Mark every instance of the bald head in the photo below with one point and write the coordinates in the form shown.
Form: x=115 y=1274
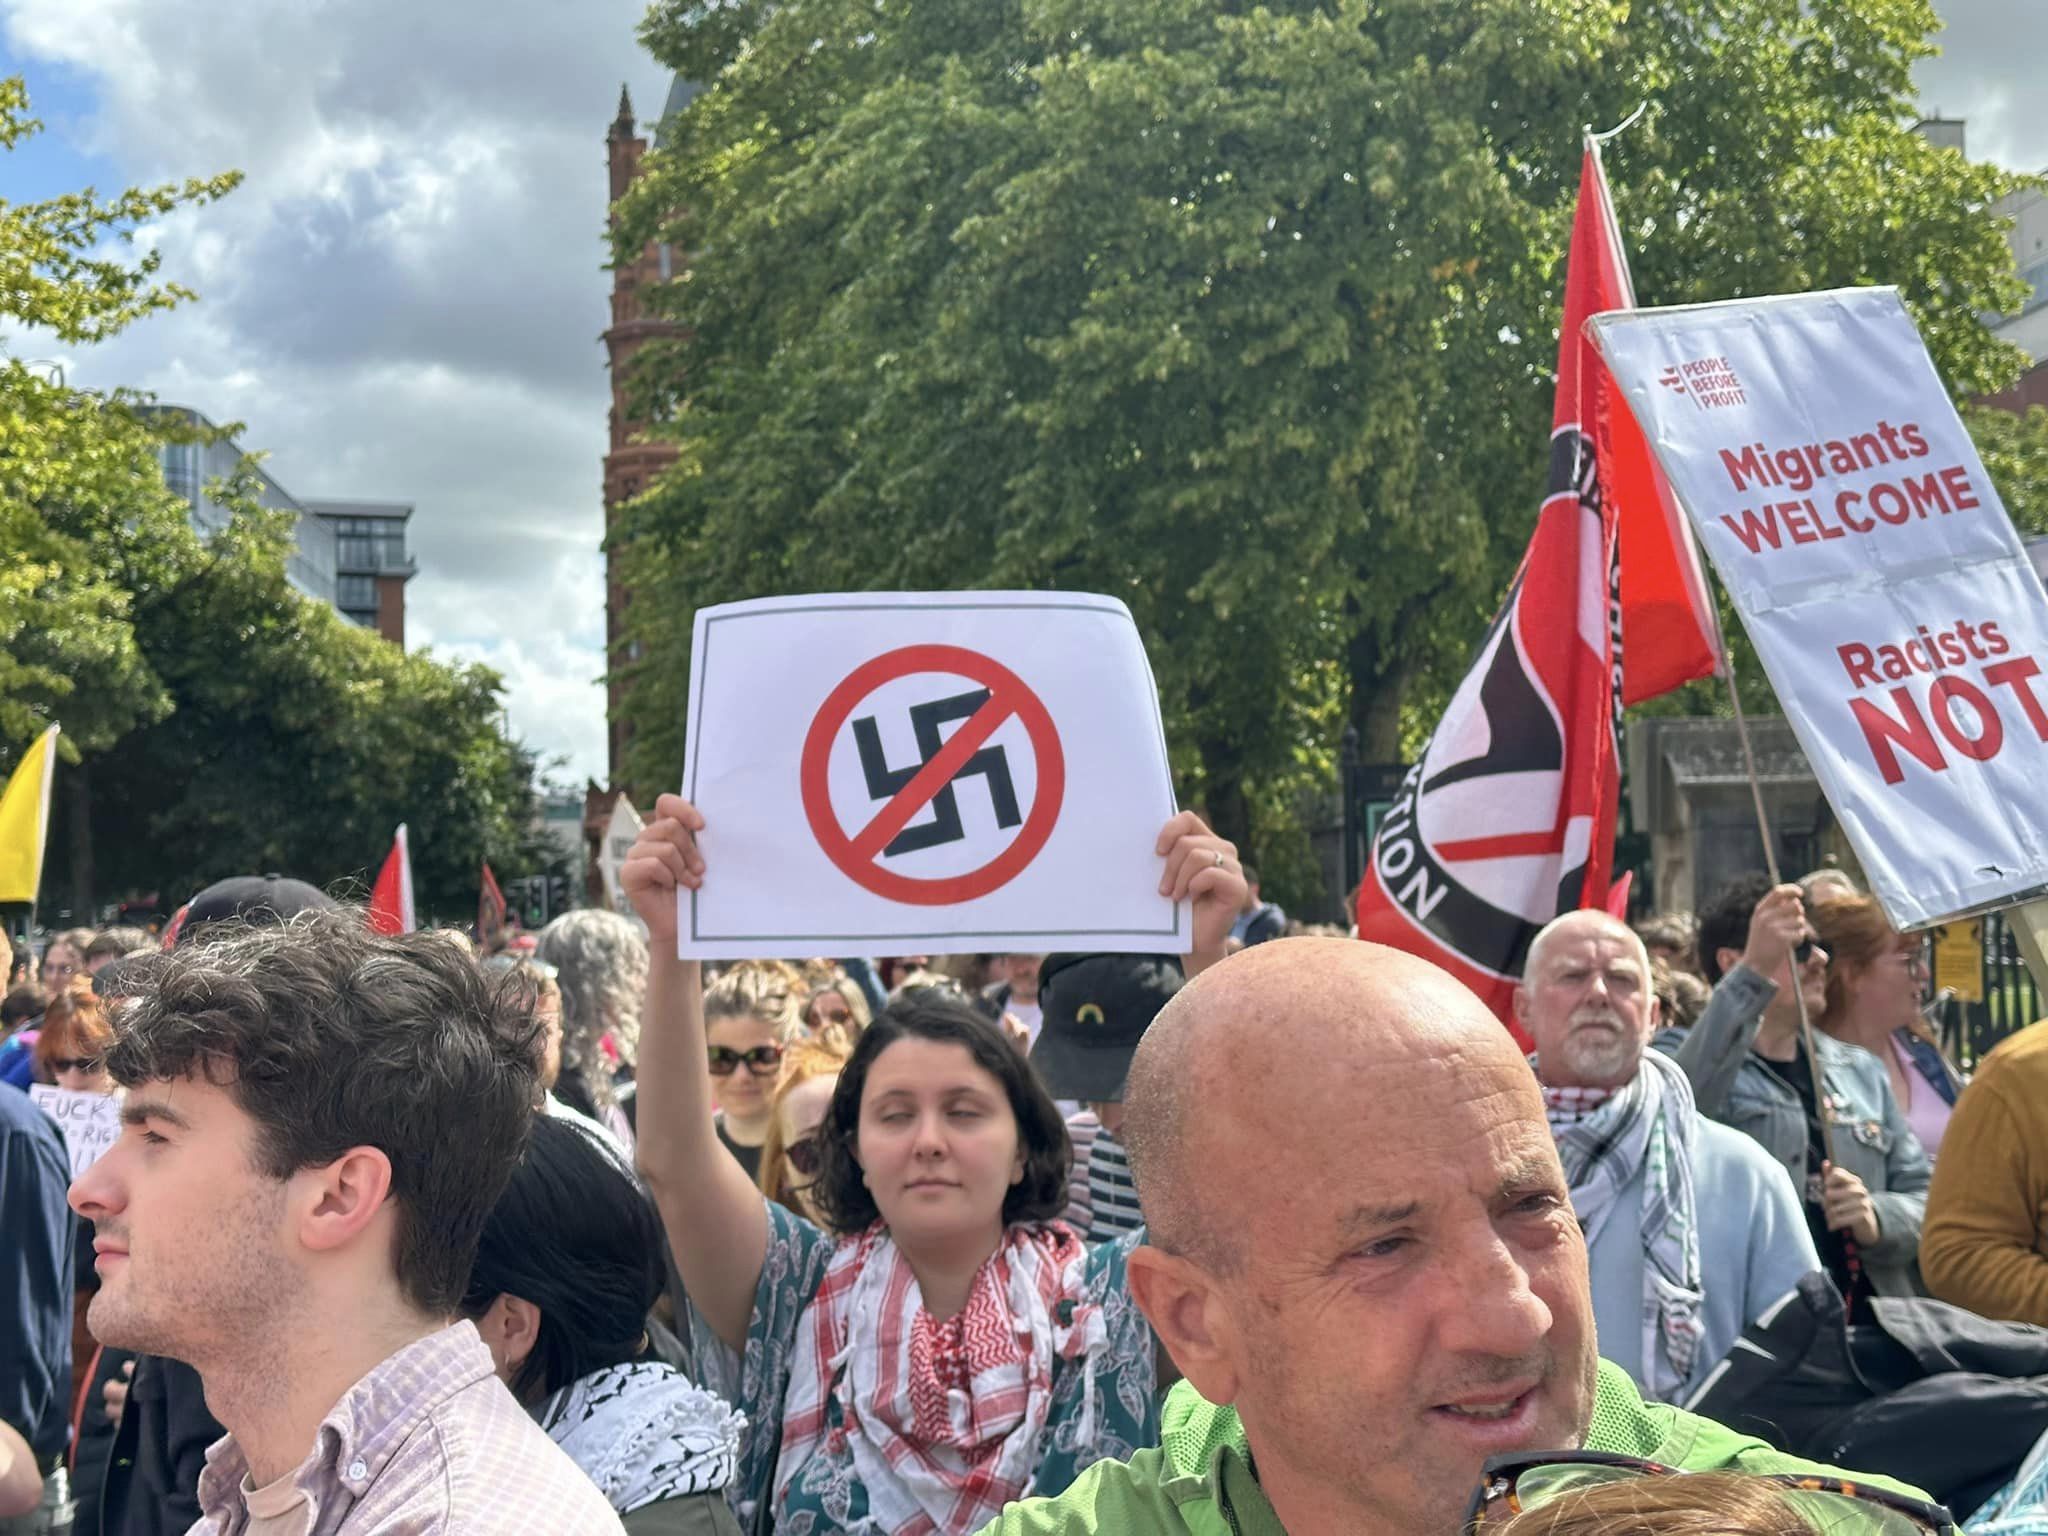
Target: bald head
x=1589 y=921
x=1302 y=1024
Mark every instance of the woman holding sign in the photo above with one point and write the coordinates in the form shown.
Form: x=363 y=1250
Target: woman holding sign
x=948 y=1346
x=74 y=1039
x=70 y=1054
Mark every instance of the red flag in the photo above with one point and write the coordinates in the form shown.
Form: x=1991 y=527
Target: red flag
x=490 y=910
x=1617 y=898
x=1670 y=632
x=391 y=909
x=1508 y=819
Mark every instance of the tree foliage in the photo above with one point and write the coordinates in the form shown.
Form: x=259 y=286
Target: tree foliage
x=2014 y=448
x=297 y=741
x=224 y=722
x=1245 y=315
x=73 y=503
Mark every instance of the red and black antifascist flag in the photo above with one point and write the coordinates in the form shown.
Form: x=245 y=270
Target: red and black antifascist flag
x=1508 y=819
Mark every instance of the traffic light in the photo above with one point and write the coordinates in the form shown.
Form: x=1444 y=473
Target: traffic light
x=533 y=902
x=558 y=895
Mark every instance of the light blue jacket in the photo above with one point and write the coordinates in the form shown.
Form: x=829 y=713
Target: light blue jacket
x=1734 y=1085
x=1754 y=1246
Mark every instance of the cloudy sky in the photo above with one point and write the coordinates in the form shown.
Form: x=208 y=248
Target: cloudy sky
x=404 y=300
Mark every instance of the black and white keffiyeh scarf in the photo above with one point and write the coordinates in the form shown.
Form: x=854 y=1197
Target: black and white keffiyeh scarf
x=643 y=1433
x=1648 y=1124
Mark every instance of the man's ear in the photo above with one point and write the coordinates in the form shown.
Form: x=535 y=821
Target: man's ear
x=1186 y=1308
x=344 y=1197
x=1522 y=1004
x=1727 y=957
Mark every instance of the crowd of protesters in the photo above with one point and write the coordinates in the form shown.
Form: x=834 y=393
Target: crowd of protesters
x=1282 y=1234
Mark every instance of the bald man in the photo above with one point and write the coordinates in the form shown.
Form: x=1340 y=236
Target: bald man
x=1693 y=1230
x=1363 y=1259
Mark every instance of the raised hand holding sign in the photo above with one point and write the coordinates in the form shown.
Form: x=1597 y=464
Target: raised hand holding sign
x=1202 y=870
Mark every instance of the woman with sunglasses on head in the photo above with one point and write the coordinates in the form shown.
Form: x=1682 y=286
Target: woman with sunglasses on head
x=944 y=1345
x=803 y=1095
x=1589 y=1493
x=750 y=1017
x=1875 y=979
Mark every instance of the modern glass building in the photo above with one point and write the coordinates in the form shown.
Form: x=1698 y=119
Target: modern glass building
x=371 y=565
x=348 y=553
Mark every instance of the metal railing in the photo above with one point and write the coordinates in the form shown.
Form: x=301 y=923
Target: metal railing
x=1990 y=994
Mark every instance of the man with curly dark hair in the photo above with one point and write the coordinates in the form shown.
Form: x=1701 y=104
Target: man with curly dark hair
x=318 y=1120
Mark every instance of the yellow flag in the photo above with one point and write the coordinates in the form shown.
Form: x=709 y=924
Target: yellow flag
x=24 y=818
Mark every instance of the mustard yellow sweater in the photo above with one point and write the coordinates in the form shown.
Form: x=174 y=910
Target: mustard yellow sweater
x=1985 y=1244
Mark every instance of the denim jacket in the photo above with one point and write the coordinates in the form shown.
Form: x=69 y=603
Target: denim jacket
x=1871 y=1138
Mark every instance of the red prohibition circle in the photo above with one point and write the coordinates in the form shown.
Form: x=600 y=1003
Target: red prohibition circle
x=1007 y=690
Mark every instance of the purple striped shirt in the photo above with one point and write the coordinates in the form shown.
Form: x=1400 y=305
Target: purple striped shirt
x=428 y=1444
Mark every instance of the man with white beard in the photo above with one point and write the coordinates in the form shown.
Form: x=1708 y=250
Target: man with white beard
x=1693 y=1230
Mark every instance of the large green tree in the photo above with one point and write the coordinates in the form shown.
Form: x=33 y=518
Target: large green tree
x=297 y=741
x=1243 y=314
x=216 y=721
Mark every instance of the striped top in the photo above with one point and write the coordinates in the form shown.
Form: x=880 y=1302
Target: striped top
x=1112 y=1197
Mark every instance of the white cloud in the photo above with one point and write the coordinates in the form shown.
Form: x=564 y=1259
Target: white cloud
x=404 y=299
x=1989 y=72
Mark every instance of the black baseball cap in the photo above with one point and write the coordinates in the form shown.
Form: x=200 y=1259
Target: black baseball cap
x=260 y=899
x=1095 y=1010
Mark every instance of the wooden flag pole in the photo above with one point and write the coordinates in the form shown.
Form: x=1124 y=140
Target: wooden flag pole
x=1763 y=826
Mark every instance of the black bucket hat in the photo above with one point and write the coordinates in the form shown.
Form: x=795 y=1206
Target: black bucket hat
x=1096 y=1008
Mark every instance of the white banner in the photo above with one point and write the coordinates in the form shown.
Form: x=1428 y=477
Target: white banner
x=1840 y=498
x=620 y=833
x=924 y=773
x=91 y=1122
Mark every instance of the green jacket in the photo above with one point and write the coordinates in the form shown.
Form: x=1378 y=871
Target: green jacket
x=1199 y=1479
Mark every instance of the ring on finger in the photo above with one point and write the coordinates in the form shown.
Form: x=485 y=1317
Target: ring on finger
x=1218 y=860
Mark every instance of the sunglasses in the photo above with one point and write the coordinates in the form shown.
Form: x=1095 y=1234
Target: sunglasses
x=74 y=1064
x=762 y=1060
x=1516 y=1483
x=805 y=1155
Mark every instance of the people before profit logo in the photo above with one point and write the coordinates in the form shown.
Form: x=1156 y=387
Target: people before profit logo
x=1709 y=382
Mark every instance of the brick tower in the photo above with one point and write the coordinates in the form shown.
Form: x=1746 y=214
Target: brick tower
x=630 y=463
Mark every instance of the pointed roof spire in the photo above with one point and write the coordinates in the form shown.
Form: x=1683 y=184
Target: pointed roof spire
x=625 y=105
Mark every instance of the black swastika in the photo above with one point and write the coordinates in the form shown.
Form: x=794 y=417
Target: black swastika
x=884 y=782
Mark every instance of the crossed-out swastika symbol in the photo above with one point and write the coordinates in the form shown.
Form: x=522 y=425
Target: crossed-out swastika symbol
x=858 y=848
x=885 y=783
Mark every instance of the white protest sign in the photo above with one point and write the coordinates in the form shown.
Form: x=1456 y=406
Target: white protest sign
x=911 y=773
x=91 y=1122
x=619 y=836
x=1833 y=486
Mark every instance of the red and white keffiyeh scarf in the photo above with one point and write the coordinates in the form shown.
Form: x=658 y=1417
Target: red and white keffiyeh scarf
x=944 y=1420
